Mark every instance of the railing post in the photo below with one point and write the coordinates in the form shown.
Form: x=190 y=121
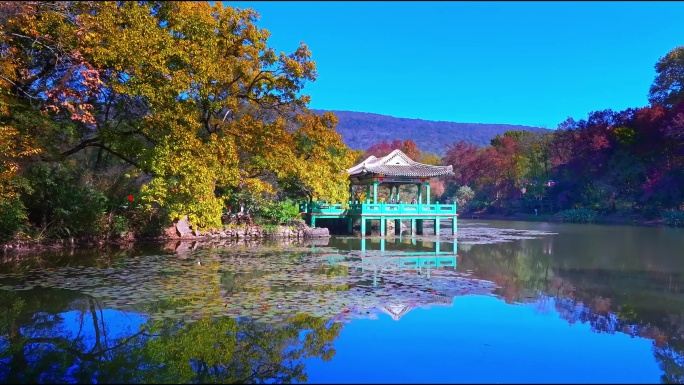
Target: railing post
x=420 y=193
x=427 y=193
x=375 y=192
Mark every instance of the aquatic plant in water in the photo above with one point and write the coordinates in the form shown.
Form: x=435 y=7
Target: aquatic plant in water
x=268 y=287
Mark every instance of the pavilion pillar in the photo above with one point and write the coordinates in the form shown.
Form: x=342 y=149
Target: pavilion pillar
x=413 y=226
x=427 y=193
x=375 y=192
x=367 y=193
x=420 y=193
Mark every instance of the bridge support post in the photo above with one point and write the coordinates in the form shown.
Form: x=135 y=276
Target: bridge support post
x=363 y=226
x=437 y=225
x=419 y=226
x=453 y=225
x=383 y=221
x=397 y=227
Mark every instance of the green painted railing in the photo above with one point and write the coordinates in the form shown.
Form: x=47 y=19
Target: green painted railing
x=401 y=209
x=377 y=209
x=322 y=208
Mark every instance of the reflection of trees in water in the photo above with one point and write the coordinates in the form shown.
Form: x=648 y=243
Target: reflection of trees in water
x=638 y=301
x=521 y=269
x=37 y=346
x=668 y=346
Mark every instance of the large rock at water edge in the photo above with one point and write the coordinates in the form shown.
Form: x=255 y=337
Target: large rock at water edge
x=183 y=227
x=316 y=232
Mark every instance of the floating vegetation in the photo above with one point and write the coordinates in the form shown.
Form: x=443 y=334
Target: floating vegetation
x=487 y=235
x=271 y=283
x=265 y=286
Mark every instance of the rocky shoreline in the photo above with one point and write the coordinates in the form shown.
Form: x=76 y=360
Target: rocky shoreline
x=180 y=231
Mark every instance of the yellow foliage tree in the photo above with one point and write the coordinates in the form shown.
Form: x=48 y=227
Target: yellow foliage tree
x=187 y=92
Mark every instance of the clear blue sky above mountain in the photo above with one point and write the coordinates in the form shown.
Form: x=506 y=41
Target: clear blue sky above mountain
x=528 y=63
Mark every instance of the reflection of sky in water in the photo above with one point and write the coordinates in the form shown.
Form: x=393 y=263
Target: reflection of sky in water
x=483 y=339
x=477 y=339
x=118 y=324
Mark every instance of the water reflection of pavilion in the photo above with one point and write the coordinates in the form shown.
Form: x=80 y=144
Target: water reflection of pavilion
x=399 y=253
x=396 y=311
x=389 y=260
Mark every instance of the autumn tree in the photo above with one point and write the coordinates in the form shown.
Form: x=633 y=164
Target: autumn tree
x=383 y=148
x=188 y=96
x=668 y=86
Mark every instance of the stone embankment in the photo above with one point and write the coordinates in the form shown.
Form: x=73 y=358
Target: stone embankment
x=179 y=231
x=182 y=230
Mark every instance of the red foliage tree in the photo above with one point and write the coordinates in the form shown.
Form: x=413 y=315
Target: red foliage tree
x=383 y=148
x=462 y=156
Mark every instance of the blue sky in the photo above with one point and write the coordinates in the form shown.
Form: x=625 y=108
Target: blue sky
x=529 y=63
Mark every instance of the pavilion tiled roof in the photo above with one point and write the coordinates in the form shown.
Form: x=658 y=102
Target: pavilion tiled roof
x=396 y=311
x=398 y=164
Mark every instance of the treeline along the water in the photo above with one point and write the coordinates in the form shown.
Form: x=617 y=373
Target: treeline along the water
x=624 y=162
x=117 y=118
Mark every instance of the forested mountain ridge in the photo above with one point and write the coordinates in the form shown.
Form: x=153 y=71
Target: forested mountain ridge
x=361 y=130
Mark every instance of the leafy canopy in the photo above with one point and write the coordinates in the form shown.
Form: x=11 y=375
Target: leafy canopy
x=187 y=94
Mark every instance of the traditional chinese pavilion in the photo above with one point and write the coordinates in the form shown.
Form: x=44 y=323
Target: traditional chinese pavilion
x=391 y=171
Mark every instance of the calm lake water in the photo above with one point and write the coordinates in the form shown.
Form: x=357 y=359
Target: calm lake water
x=504 y=302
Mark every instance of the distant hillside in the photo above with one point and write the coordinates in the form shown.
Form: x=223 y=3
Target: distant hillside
x=360 y=130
